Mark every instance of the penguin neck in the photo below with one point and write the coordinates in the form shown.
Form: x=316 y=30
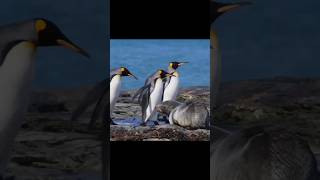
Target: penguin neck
x=173 y=71
x=215 y=67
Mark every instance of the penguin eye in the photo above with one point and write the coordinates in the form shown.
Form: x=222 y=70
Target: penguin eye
x=40 y=25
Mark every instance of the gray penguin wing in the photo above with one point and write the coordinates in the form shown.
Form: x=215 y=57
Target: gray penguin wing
x=91 y=97
x=148 y=86
x=144 y=102
x=143 y=95
x=150 y=79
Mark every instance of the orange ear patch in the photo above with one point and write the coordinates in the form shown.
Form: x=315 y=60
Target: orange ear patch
x=40 y=25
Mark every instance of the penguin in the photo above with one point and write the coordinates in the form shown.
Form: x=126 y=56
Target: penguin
x=172 y=83
x=191 y=114
x=99 y=95
x=18 y=46
x=151 y=94
x=103 y=94
x=261 y=152
x=216 y=10
x=115 y=84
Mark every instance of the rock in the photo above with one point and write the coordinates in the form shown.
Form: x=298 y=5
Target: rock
x=161 y=132
x=46 y=148
x=293 y=103
x=126 y=108
x=56 y=152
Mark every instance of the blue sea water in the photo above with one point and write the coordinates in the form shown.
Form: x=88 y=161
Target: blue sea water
x=144 y=57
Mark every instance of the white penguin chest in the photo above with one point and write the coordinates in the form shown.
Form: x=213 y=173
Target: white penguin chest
x=154 y=99
x=16 y=74
x=115 y=86
x=171 y=90
x=156 y=94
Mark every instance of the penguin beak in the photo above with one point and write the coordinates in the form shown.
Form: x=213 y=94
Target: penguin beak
x=133 y=76
x=170 y=75
x=182 y=63
x=68 y=44
x=229 y=7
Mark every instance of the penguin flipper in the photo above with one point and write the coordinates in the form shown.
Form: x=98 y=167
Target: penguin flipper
x=148 y=83
x=138 y=93
x=92 y=96
x=144 y=103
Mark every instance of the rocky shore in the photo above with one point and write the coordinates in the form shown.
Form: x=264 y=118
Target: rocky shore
x=46 y=148
x=289 y=103
x=128 y=109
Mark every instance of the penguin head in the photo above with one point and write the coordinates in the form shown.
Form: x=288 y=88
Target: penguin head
x=174 y=65
x=50 y=35
x=217 y=9
x=125 y=72
x=163 y=74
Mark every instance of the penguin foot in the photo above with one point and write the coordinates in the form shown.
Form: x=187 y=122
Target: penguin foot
x=165 y=119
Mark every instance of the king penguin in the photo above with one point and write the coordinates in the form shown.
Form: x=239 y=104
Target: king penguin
x=18 y=45
x=191 y=114
x=151 y=94
x=216 y=10
x=99 y=95
x=172 y=83
x=115 y=84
